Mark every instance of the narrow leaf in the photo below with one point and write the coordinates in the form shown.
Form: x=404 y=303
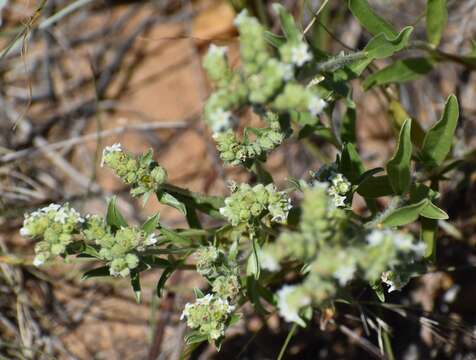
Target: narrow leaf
x=375 y=186
x=170 y=200
x=369 y=19
x=151 y=224
x=113 y=217
x=428 y=231
x=398 y=72
x=431 y=211
x=274 y=40
x=290 y=30
x=174 y=237
x=439 y=138
x=350 y=164
x=436 y=19
x=398 y=168
x=97 y=272
x=404 y=215
x=379 y=47
x=135 y=283
x=163 y=279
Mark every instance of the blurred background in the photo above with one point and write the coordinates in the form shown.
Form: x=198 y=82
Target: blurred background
x=76 y=76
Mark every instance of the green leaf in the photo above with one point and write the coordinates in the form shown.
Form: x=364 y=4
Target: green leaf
x=350 y=163
x=195 y=337
x=174 y=237
x=151 y=224
x=253 y=294
x=97 y=272
x=290 y=30
x=404 y=215
x=439 y=138
x=253 y=266
x=398 y=168
x=163 y=279
x=273 y=39
x=431 y=211
x=348 y=126
x=234 y=318
x=378 y=290
x=375 y=186
x=209 y=205
x=436 y=19
x=170 y=200
x=369 y=19
x=156 y=262
x=428 y=232
x=113 y=217
x=398 y=72
x=380 y=47
x=135 y=283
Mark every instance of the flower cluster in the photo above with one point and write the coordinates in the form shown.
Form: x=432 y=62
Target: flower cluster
x=264 y=80
x=220 y=270
x=339 y=187
x=142 y=172
x=247 y=203
x=336 y=252
x=234 y=152
x=209 y=315
x=56 y=226
x=119 y=249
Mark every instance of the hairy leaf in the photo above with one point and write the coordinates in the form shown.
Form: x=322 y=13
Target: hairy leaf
x=404 y=215
x=398 y=168
x=398 y=72
x=436 y=19
x=113 y=216
x=369 y=19
x=439 y=138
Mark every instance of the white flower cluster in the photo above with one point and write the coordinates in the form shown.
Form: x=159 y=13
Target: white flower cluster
x=291 y=300
x=220 y=120
x=300 y=54
x=402 y=241
x=338 y=185
x=55 y=224
x=110 y=149
x=208 y=315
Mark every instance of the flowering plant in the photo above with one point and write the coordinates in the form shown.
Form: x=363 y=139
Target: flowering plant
x=308 y=229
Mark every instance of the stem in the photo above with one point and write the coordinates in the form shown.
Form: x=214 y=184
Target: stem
x=286 y=342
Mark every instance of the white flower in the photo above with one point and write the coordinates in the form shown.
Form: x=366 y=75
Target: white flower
x=419 y=249
x=300 y=54
x=393 y=280
x=451 y=294
x=220 y=120
x=344 y=274
x=151 y=239
x=316 y=105
x=186 y=311
x=214 y=50
x=38 y=260
x=50 y=207
x=24 y=231
x=403 y=242
x=61 y=216
x=205 y=300
x=109 y=149
x=289 y=306
x=376 y=237
x=288 y=71
x=240 y=17
x=268 y=262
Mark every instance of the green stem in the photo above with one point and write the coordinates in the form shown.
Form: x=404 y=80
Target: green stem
x=286 y=342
